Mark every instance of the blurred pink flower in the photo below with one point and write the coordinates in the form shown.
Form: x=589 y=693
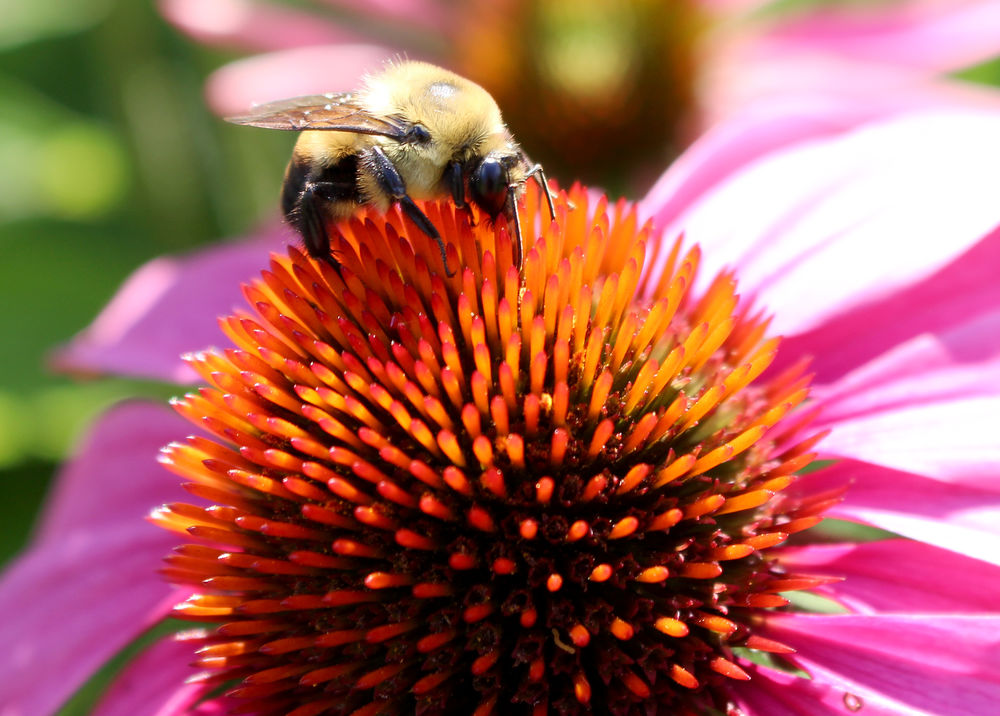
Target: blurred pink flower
x=870 y=52
x=574 y=78
x=874 y=241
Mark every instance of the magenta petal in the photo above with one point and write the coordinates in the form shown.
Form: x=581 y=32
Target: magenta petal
x=929 y=406
x=939 y=664
x=929 y=35
x=884 y=56
x=169 y=307
x=153 y=683
x=958 y=518
x=432 y=15
x=958 y=362
x=754 y=71
x=291 y=73
x=952 y=439
x=729 y=147
x=257 y=26
x=725 y=8
x=900 y=576
x=943 y=304
x=816 y=230
x=88 y=584
x=775 y=693
x=114 y=474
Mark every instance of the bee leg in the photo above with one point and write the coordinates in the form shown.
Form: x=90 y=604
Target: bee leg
x=456 y=183
x=515 y=219
x=309 y=218
x=392 y=184
x=538 y=174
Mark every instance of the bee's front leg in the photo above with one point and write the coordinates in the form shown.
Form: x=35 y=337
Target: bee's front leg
x=456 y=183
x=454 y=177
x=538 y=174
x=391 y=183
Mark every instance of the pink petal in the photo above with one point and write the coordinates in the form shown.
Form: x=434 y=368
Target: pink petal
x=820 y=228
x=958 y=518
x=257 y=26
x=114 y=473
x=954 y=363
x=167 y=308
x=775 y=693
x=940 y=664
x=928 y=407
x=291 y=73
x=728 y=148
x=88 y=585
x=742 y=74
x=931 y=35
x=900 y=576
x=952 y=439
x=153 y=683
x=431 y=15
x=725 y=8
x=947 y=303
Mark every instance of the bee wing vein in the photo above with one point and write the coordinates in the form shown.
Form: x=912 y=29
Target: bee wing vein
x=333 y=112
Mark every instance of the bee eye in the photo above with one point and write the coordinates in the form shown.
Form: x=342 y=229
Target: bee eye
x=417 y=135
x=488 y=186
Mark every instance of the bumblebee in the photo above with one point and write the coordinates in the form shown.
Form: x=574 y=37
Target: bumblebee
x=413 y=131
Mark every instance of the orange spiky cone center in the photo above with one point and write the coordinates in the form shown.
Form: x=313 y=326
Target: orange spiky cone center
x=545 y=490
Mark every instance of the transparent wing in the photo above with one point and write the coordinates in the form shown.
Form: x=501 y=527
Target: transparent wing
x=336 y=112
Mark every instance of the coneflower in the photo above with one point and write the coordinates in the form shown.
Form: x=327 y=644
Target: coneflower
x=546 y=490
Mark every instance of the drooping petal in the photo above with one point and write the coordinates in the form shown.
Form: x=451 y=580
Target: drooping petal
x=153 y=683
x=776 y=693
x=948 y=304
x=952 y=439
x=953 y=363
x=88 y=585
x=920 y=409
x=430 y=14
x=249 y=25
x=263 y=25
x=819 y=229
x=742 y=72
x=113 y=477
x=958 y=518
x=730 y=147
x=928 y=664
x=900 y=576
x=726 y=8
x=166 y=308
x=930 y=35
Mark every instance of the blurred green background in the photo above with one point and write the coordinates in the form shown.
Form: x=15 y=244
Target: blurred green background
x=108 y=157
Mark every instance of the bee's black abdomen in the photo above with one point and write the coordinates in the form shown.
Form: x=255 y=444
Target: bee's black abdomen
x=296 y=176
x=340 y=182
